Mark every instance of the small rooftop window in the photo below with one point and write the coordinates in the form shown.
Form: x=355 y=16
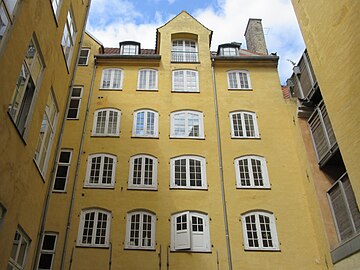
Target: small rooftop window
x=229 y=49
x=129 y=48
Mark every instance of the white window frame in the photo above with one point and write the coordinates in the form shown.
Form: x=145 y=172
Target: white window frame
x=100 y=184
x=96 y=212
x=111 y=79
x=185 y=239
x=229 y=51
x=186 y=120
x=106 y=128
x=49 y=123
x=243 y=125
x=128 y=242
x=186 y=85
x=259 y=232
x=142 y=185
x=68 y=39
x=129 y=49
x=250 y=171
x=242 y=77
x=8 y=15
x=79 y=98
x=188 y=185
x=146 y=72
x=23 y=238
x=146 y=131
x=186 y=54
x=48 y=251
x=56 y=4
x=83 y=57
x=63 y=164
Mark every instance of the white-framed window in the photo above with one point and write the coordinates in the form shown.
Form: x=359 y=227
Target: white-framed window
x=19 y=251
x=47 y=251
x=185 y=80
x=56 y=7
x=131 y=48
x=106 y=122
x=184 y=51
x=190 y=231
x=100 y=171
x=112 y=78
x=69 y=37
x=84 y=57
x=251 y=172
x=344 y=208
x=146 y=124
x=7 y=15
x=75 y=101
x=239 y=79
x=47 y=132
x=140 y=230
x=147 y=79
x=143 y=172
x=229 y=51
x=259 y=231
x=27 y=85
x=187 y=124
x=62 y=170
x=188 y=172
x=94 y=228
x=244 y=125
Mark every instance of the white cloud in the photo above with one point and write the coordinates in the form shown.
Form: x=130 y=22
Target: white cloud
x=228 y=20
x=171 y=1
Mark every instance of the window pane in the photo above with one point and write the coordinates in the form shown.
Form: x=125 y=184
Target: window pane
x=148 y=171
x=45 y=261
x=137 y=171
x=251 y=231
x=4 y=21
x=49 y=242
x=146 y=231
x=135 y=230
x=179 y=124
x=244 y=172
x=257 y=174
x=140 y=123
x=237 y=125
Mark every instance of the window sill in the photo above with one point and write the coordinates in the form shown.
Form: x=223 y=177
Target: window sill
x=188 y=138
x=98 y=187
x=110 y=89
x=240 y=89
x=147 y=90
x=191 y=251
x=245 y=138
x=263 y=250
x=139 y=249
x=254 y=188
x=92 y=246
x=188 y=188
x=143 y=188
x=71 y=119
x=185 y=62
x=144 y=137
x=83 y=65
x=104 y=136
x=346 y=249
x=59 y=191
x=184 y=91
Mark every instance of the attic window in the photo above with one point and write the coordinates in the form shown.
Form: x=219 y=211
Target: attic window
x=129 y=48
x=231 y=49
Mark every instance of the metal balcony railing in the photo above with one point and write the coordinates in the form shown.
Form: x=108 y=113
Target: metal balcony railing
x=183 y=56
x=322 y=134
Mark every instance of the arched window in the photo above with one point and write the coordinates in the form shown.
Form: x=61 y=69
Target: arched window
x=251 y=172
x=244 y=125
x=187 y=124
x=140 y=230
x=145 y=123
x=106 y=122
x=100 y=171
x=143 y=172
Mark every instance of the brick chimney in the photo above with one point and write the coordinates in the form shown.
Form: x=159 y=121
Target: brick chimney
x=254 y=36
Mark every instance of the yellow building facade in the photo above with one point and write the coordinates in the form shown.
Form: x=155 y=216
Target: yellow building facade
x=39 y=43
x=181 y=158
x=333 y=91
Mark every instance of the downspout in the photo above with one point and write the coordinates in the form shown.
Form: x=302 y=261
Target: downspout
x=58 y=147
x=221 y=168
x=77 y=170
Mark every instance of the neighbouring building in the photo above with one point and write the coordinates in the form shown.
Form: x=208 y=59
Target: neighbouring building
x=324 y=81
x=39 y=45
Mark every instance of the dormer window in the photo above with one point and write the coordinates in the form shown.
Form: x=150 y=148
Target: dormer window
x=129 y=48
x=231 y=49
x=184 y=51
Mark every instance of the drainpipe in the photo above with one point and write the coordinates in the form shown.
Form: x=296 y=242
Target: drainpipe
x=58 y=147
x=221 y=168
x=71 y=207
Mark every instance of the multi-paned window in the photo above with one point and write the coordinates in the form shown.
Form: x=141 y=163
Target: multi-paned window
x=112 y=78
x=106 y=122
x=56 y=7
x=26 y=87
x=185 y=80
x=147 y=79
x=229 y=51
x=69 y=37
x=19 y=251
x=184 y=51
x=62 y=170
x=84 y=57
x=244 y=125
x=7 y=12
x=75 y=101
x=47 y=132
x=259 y=231
x=143 y=172
x=146 y=124
x=188 y=172
x=187 y=124
x=129 y=48
x=47 y=251
x=344 y=208
x=100 y=171
x=251 y=172
x=140 y=230
x=239 y=79
x=94 y=228
x=190 y=231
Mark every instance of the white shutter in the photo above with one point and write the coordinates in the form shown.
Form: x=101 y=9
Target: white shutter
x=181 y=238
